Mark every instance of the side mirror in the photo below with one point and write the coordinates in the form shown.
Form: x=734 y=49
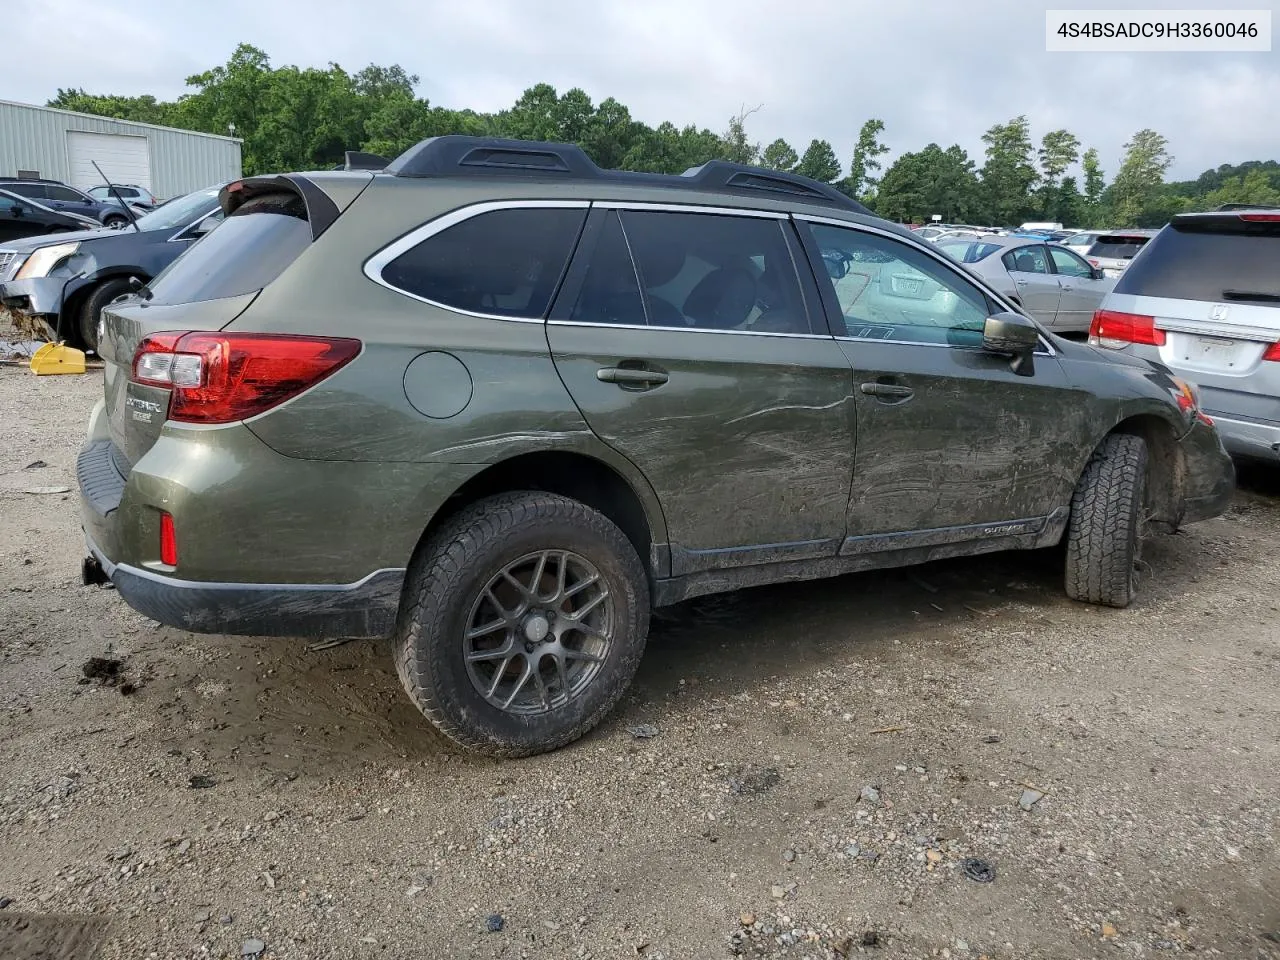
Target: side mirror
x=1098 y=274
x=19 y=210
x=207 y=224
x=1012 y=335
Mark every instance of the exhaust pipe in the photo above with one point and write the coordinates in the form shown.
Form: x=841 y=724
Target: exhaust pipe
x=91 y=572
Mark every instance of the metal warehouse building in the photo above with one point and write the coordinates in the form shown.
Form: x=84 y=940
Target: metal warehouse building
x=59 y=145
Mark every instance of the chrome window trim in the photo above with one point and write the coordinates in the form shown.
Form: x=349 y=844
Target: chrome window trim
x=1048 y=349
x=374 y=266
x=641 y=326
x=641 y=205
x=179 y=238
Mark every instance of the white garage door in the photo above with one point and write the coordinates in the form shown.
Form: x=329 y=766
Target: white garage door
x=123 y=159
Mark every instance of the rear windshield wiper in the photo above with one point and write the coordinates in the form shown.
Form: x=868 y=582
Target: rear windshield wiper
x=1250 y=296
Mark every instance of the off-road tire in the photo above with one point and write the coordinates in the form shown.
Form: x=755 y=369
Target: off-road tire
x=443 y=581
x=91 y=309
x=1104 y=534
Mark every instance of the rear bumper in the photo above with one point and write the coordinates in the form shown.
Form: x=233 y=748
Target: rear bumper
x=1249 y=438
x=366 y=608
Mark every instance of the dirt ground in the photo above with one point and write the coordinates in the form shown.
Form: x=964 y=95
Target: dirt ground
x=826 y=757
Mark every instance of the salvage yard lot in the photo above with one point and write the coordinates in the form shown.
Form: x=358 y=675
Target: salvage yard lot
x=257 y=793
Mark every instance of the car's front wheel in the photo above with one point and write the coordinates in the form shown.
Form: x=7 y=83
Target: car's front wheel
x=1108 y=518
x=523 y=621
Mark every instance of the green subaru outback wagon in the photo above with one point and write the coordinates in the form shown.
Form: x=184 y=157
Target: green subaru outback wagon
x=496 y=404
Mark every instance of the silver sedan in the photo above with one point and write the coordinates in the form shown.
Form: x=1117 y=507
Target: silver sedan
x=1054 y=285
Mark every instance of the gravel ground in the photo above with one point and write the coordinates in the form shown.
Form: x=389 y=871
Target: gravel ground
x=821 y=762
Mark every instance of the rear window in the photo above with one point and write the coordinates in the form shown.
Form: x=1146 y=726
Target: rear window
x=247 y=251
x=1117 y=247
x=505 y=263
x=968 y=251
x=1213 y=260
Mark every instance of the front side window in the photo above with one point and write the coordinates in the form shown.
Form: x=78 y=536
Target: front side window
x=716 y=272
x=504 y=263
x=33 y=191
x=888 y=290
x=1068 y=264
x=1027 y=260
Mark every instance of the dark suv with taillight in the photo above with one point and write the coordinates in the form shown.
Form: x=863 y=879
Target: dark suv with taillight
x=1203 y=300
x=497 y=403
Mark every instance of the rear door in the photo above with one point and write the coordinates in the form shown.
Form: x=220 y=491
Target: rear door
x=1081 y=293
x=1212 y=283
x=72 y=201
x=687 y=340
x=1036 y=284
x=952 y=444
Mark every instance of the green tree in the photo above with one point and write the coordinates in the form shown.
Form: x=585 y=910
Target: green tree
x=861 y=181
x=144 y=109
x=1140 y=176
x=1008 y=174
x=819 y=162
x=1094 y=186
x=735 y=146
x=779 y=155
x=1254 y=187
x=1067 y=207
x=933 y=181
x=1059 y=149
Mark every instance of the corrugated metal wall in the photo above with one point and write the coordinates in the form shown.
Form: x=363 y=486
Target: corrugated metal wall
x=35 y=138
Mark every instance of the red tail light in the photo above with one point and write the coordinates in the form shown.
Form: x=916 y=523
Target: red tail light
x=168 y=541
x=1273 y=352
x=224 y=377
x=1261 y=217
x=1113 y=329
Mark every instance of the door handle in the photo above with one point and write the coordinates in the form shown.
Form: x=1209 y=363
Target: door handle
x=889 y=391
x=1021 y=283
x=631 y=376
x=1067 y=288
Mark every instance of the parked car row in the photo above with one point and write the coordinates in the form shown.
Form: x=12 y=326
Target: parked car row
x=496 y=404
x=102 y=208
x=65 y=275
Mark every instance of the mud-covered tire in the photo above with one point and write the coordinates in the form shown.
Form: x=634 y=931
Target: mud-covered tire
x=91 y=309
x=1105 y=530
x=445 y=582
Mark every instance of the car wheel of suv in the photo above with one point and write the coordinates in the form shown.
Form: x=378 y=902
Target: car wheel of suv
x=1108 y=515
x=115 y=223
x=523 y=622
x=91 y=310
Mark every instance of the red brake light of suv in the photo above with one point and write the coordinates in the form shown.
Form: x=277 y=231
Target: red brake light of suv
x=1113 y=329
x=224 y=377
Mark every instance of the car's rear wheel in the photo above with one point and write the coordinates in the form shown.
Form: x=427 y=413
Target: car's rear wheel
x=1107 y=524
x=523 y=622
x=91 y=310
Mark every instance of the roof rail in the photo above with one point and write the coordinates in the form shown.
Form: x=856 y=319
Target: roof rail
x=461 y=156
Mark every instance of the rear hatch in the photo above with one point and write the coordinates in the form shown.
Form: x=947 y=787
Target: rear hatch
x=270 y=221
x=1212 y=284
x=1112 y=252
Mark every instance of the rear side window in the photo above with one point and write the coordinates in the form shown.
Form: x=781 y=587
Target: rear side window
x=32 y=191
x=246 y=252
x=505 y=263
x=1216 y=261
x=64 y=194
x=1117 y=248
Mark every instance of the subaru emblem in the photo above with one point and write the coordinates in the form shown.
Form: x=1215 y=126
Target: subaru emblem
x=1219 y=311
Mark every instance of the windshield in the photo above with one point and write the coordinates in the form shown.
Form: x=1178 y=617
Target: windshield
x=968 y=251
x=181 y=212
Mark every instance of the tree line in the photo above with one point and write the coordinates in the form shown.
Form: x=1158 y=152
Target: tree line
x=294 y=118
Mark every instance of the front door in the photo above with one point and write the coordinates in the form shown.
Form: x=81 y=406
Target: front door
x=1033 y=278
x=952 y=444
x=687 y=342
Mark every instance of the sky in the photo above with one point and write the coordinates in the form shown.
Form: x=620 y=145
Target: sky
x=933 y=70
